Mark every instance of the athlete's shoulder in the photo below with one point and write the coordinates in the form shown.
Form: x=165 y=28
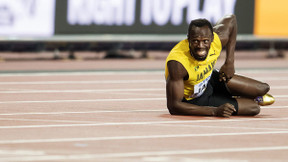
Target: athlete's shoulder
x=181 y=46
x=176 y=70
x=217 y=42
x=180 y=49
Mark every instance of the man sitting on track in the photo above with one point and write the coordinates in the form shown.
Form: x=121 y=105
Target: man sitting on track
x=194 y=87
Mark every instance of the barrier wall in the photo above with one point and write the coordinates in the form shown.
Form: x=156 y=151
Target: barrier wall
x=34 y=18
x=146 y=16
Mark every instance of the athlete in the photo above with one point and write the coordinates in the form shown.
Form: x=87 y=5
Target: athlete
x=194 y=87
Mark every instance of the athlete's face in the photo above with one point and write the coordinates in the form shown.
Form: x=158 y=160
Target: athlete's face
x=200 y=41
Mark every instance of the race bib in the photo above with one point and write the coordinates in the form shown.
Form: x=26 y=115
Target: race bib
x=200 y=88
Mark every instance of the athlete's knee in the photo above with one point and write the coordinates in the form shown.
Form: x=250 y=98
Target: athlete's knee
x=255 y=110
x=263 y=88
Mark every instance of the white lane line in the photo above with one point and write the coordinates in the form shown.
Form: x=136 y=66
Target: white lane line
x=84 y=90
x=103 y=100
x=136 y=137
x=99 y=90
x=166 y=125
x=142 y=154
x=280 y=96
x=139 y=94
x=112 y=111
x=278 y=87
x=213 y=120
x=95 y=100
x=154 y=72
x=20 y=152
x=85 y=112
x=263 y=71
x=85 y=82
x=49 y=121
x=119 y=82
x=221 y=127
x=274 y=107
x=270 y=78
x=132 y=72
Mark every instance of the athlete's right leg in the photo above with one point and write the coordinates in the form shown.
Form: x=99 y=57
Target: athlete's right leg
x=247 y=106
x=247 y=87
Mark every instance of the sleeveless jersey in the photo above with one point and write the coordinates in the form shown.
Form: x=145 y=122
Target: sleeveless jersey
x=199 y=71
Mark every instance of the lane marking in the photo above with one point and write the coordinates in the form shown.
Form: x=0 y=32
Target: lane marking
x=212 y=119
x=274 y=107
x=85 y=73
x=278 y=87
x=111 y=111
x=271 y=78
x=280 y=96
x=143 y=154
x=55 y=140
x=104 y=100
x=223 y=127
x=95 y=100
x=139 y=94
x=84 y=91
x=42 y=120
x=131 y=72
x=85 y=82
x=120 y=82
x=84 y=112
x=101 y=90
x=169 y=125
x=20 y=152
x=189 y=152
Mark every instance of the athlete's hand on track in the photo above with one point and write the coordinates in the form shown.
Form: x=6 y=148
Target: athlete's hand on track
x=224 y=110
x=226 y=72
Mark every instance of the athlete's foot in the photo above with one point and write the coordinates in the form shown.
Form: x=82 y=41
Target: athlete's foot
x=265 y=100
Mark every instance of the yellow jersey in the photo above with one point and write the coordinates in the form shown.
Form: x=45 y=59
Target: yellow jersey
x=199 y=71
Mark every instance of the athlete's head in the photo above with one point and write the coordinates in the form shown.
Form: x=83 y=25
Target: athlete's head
x=200 y=36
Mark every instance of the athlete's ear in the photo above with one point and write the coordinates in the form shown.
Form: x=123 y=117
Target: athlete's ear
x=212 y=37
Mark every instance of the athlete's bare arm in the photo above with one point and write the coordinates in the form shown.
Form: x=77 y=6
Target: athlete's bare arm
x=175 y=94
x=242 y=86
x=226 y=28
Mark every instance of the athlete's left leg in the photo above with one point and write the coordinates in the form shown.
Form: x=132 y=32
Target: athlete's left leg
x=247 y=106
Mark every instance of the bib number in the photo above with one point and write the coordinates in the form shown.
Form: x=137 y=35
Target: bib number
x=200 y=88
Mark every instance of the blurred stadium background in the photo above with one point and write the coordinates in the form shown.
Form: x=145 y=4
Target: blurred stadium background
x=100 y=29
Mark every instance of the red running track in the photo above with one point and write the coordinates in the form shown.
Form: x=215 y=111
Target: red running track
x=121 y=115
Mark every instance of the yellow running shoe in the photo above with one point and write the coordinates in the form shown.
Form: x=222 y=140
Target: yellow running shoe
x=265 y=100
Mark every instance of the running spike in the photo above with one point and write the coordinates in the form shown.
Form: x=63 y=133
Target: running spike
x=265 y=100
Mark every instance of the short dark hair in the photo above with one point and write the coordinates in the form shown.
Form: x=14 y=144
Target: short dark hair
x=199 y=23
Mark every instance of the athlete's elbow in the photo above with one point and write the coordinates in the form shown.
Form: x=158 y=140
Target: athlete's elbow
x=173 y=108
x=231 y=17
x=231 y=22
x=173 y=112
